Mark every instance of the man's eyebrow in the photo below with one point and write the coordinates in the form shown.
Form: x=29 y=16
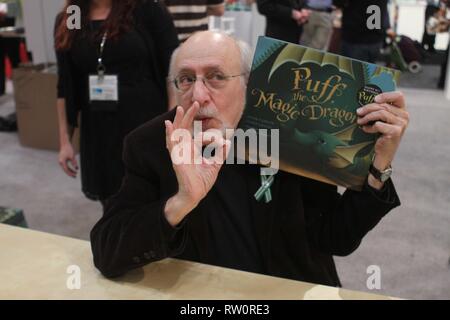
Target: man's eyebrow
x=208 y=68
x=185 y=70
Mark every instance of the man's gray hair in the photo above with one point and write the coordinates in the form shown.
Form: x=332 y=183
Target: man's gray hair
x=246 y=58
x=245 y=51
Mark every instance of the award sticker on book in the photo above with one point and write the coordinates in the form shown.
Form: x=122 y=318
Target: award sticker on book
x=367 y=94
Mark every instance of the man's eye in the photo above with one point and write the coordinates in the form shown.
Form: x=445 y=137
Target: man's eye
x=186 y=79
x=216 y=77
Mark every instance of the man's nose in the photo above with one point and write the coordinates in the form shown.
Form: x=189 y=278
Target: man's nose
x=200 y=92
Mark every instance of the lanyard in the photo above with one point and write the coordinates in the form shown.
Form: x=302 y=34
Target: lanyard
x=101 y=69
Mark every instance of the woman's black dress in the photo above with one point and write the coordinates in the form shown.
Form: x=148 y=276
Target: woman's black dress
x=142 y=96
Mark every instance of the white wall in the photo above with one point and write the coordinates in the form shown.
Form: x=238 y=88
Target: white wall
x=39 y=17
x=247 y=25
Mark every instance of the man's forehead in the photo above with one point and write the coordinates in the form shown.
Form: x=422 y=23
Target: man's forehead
x=201 y=64
x=207 y=55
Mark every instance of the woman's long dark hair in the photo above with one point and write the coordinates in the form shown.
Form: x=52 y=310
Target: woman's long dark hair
x=119 y=20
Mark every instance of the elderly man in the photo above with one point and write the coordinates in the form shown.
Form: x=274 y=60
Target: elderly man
x=207 y=212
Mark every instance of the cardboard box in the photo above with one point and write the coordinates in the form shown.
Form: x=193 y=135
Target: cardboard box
x=35 y=97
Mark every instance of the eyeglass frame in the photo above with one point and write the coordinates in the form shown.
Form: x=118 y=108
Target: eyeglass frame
x=204 y=80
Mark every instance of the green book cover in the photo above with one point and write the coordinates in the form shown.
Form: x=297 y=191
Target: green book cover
x=312 y=96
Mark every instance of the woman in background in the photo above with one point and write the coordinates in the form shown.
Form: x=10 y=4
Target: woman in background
x=284 y=18
x=112 y=75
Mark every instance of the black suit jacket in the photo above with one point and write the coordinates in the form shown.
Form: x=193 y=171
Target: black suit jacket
x=279 y=22
x=354 y=21
x=307 y=224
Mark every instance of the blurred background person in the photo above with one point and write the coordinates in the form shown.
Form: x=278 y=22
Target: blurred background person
x=131 y=42
x=317 y=32
x=334 y=45
x=9 y=46
x=284 y=18
x=444 y=26
x=190 y=16
x=429 y=38
x=358 y=41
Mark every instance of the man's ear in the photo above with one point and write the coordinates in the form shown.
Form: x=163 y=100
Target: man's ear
x=172 y=99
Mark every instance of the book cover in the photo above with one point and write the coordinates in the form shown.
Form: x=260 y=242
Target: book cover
x=312 y=96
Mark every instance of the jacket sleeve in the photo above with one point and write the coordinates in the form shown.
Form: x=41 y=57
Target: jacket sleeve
x=61 y=60
x=133 y=230
x=337 y=223
x=66 y=81
x=275 y=11
x=61 y=63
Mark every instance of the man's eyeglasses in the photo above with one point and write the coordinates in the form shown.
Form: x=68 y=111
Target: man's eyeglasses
x=215 y=80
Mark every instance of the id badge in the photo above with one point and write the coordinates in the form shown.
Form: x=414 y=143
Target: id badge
x=104 y=88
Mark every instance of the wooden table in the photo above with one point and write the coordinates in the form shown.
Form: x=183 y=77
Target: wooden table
x=33 y=265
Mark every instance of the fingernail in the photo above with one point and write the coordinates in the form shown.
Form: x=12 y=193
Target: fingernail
x=378 y=98
x=359 y=110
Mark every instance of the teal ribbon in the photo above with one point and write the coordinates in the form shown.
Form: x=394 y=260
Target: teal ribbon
x=264 y=190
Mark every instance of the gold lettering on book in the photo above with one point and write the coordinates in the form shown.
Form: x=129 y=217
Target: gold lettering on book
x=337 y=117
x=284 y=110
x=322 y=92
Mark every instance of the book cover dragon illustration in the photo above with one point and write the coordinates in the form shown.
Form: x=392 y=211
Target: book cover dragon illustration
x=312 y=96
